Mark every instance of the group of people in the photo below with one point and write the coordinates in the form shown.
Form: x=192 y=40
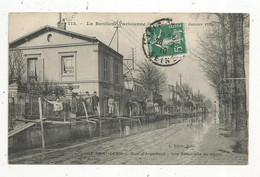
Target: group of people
x=92 y=105
x=141 y=107
x=92 y=102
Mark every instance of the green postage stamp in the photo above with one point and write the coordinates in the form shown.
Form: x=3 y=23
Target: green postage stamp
x=164 y=42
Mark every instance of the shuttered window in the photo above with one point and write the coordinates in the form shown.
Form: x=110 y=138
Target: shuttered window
x=35 y=68
x=106 y=69
x=117 y=79
x=67 y=65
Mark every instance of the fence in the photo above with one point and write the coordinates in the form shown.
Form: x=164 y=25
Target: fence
x=137 y=109
x=11 y=112
x=27 y=107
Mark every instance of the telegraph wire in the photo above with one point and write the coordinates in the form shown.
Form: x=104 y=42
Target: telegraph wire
x=128 y=30
x=137 y=47
x=126 y=36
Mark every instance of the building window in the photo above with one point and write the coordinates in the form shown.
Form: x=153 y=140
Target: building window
x=49 y=38
x=106 y=69
x=32 y=69
x=117 y=79
x=68 y=65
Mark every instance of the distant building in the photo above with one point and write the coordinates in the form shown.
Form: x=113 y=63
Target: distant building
x=68 y=58
x=134 y=85
x=134 y=88
x=169 y=95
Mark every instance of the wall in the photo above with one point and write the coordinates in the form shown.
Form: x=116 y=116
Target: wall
x=108 y=88
x=31 y=137
x=50 y=52
x=89 y=64
x=86 y=62
x=86 y=58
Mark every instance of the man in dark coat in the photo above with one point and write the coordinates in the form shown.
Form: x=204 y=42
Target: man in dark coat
x=95 y=101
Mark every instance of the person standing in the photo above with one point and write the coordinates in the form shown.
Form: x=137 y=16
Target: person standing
x=129 y=108
x=143 y=105
x=156 y=107
x=57 y=106
x=95 y=101
x=88 y=101
x=111 y=105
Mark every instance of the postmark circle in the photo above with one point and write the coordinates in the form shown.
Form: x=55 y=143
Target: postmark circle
x=164 y=42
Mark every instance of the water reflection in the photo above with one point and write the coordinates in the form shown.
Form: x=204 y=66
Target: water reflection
x=198 y=126
x=201 y=128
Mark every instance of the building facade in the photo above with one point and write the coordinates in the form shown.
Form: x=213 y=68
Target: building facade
x=71 y=59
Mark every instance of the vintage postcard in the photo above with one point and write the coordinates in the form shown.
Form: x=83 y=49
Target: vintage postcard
x=128 y=88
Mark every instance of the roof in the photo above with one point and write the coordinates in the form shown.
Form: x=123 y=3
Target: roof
x=42 y=30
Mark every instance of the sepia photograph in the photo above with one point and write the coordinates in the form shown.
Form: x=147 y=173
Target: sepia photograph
x=128 y=88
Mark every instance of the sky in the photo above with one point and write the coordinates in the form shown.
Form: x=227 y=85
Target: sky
x=130 y=37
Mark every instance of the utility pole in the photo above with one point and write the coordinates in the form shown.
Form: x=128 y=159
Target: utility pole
x=133 y=58
x=130 y=62
x=176 y=90
x=117 y=36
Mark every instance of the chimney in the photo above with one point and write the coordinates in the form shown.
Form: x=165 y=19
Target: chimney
x=61 y=23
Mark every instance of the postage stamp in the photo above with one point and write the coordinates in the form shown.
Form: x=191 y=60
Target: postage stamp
x=163 y=41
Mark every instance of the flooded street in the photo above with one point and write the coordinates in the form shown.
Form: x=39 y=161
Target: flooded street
x=121 y=88
x=181 y=143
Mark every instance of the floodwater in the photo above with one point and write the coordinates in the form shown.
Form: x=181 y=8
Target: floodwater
x=198 y=142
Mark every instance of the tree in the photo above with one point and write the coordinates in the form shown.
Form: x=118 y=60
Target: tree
x=239 y=105
x=222 y=56
x=152 y=78
x=184 y=91
x=17 y=66
x=42 y=88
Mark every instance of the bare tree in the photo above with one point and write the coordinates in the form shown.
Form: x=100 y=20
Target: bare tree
x=221 y=55
x=152 y=78
x=17 y=66
x=184 y=91
x=239 y=106
x=212 y=56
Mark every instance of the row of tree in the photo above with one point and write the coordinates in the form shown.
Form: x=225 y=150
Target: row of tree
x=190 y=98
x=154 y=82
x=221 y=53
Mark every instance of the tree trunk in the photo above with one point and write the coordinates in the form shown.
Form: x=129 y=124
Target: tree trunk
x=239 y=114
x=223 y=101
